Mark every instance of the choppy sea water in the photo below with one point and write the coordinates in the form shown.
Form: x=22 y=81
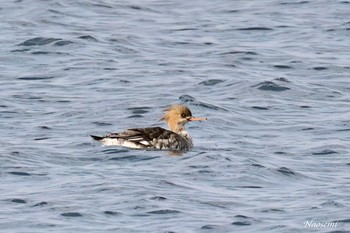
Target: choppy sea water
x=272 y=76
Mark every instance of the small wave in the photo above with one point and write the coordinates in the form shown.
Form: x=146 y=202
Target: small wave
x=43 y=203
x=272 y=210
x=19 y=201
x=347 y=220
x=308 y=128
x=88 y=37
x=166 y=211
x=325 y=152
x=33 y=78
x=139 y=110
x=332 y=203
x=41 y=139
x=72 y=214
x=294 y=3
x=158 y=198
x=257 y=165
x=280 y=153
x=249 y=187
x=133 y=158
x=63 y=43
x=270 y=86
x=209 y=227
x=240 y=52
x=135 y=116
x=20 y=50
x=185 y=29
x=211 y=82
x=194 y=101
x=320 y=68
x=20 y=173
x=241 y=223
x=283 y=67
x=114 y=151
x=243 y=220
x=44 y=127
x=260 y=108
x=112 y=213
x=38 y=41
x=202 y=148
x=255 y=29
x=101 y=123
x=286 y=171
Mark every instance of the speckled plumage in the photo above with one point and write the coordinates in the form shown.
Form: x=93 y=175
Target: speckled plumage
x=148 y=138
x=176 y=138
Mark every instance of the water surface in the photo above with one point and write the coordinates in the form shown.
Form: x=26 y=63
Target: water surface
x=272 y=76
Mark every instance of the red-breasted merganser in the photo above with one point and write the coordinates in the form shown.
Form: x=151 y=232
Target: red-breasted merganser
x=176 y=138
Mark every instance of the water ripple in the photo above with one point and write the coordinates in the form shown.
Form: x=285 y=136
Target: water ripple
x=271 y=76
x=38 y=41
x=270 y=86
x=194 y=101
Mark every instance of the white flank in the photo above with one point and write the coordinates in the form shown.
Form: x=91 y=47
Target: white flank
x=118 y=142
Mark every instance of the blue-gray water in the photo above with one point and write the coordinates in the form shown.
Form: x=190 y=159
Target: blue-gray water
x=272 y=76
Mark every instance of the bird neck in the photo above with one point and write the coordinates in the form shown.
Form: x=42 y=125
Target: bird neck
x=179 y=128
x=186 y=135
x=175 y=126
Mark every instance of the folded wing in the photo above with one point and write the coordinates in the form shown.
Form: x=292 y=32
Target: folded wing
x=153 y=137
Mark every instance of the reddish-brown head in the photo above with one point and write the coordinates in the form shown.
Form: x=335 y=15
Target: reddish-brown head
x=177 y=116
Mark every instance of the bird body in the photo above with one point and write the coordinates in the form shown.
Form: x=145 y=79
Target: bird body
x=177 y=138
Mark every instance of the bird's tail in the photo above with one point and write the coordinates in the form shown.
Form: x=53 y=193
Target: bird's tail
x=97 y=138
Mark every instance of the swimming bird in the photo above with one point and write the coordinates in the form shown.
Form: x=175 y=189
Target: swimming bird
x=177 y=138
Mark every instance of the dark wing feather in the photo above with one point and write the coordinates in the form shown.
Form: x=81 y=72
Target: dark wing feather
x=153 y=136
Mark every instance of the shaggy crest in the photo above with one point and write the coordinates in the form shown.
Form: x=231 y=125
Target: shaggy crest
x=177 y=116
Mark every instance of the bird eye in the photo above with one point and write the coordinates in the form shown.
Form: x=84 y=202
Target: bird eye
x=183 y=115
